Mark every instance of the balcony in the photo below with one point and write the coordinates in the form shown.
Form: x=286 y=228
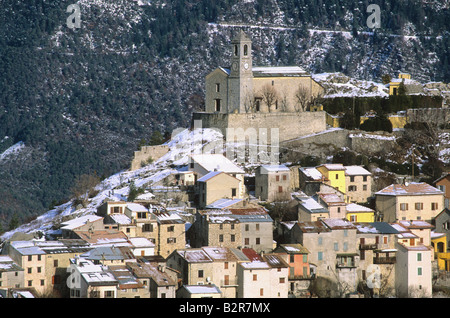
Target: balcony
x=368 y=246
x=384 y=260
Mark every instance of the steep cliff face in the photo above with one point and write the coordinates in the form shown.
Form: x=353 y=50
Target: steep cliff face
x=81 y=99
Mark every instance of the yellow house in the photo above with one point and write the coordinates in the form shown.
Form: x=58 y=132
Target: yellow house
x=359 y=213
x=439 y=243
x=333 y=120
x=395 y=83
x=334 y=175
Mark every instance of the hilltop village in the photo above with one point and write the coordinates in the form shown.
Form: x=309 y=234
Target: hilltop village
x=218 y=227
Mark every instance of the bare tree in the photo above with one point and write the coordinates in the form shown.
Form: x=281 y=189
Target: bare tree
x=284 y=101
x=249 y=103
x=302 y=99
x=84 y=187
x=269 y=96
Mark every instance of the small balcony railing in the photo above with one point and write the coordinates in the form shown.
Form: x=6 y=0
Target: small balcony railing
x=384 y=260
x=368 y=246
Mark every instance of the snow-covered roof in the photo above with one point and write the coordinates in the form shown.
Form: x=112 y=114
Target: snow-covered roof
x=135 y=207
x=356 y=171
x=216 y=162
x=312 y=172
x=274 y=168
x=413 y=188
x=202 y=289
x=353 y=207
x=269 y=71
x=75 y=223
x=209 y=176
x=311 y=205
x=223 y=203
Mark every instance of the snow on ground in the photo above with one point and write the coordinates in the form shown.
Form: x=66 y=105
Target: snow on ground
x=14 y=149
x=117 y=186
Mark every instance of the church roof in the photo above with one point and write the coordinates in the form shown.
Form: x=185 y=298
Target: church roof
x=241 y=36
x=279 y=71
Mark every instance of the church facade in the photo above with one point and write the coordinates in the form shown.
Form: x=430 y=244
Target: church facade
x=243 y=96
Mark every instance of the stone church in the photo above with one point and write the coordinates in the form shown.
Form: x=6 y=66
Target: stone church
x=244 y=96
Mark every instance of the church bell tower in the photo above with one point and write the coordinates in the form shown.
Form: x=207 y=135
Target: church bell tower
x=240 y=82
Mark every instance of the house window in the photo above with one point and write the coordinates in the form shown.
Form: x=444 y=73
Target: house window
x=365 y=178
x=284 y=177
x=236 y=50
x=217 y=105
x=225 y=265
x=282 y=280
x=365 y=187
x=221 y=238
x=320 y=256
x=345 y=246
x=403 y=206
x=337 y=176
x=352 y=218
x=226 y=280
x=352 y=178
x=255 y=277
x=30 y=283
x=109 y=294
x=257 y=226
x=233 y=238
x=233 y=192
x=419 y=271
x=55 y=263
x=29 y=270
x=319 y=241
x=217 y=87
x=419 y=206
x=245 y=49
x=261 y=292
x=147 y=228
x=352 y=188
x=434 y=206
x=200 y=273
x=277 y=178
x=171 y=228
x=258 y=241
x=336 y=246
x=419 y=257
x=280 y=189
x=30 y=258
x=246 y=227
x=291 y=258
x=247 y=241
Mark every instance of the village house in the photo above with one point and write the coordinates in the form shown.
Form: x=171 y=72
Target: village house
x=376 y=270
x=334 y=175
x=413 y=273
x=296 y=256
x=84 y=223
x=309 y=210
x=128 y=285
x=45 y=262
x=11 y=274
x=217 y=185
x=172 y=233
x=443 y=184
x=263 y=276
x=358 y=182
x=410 y=201
x=359 y=213
x=334 y=203
x=440 y=247
x=240 y=227
x=109 y=255
x=160 y=281
x=207 y=265
x=203 y=164
x=272 y=183
x=442 y=224
x=88 y=280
